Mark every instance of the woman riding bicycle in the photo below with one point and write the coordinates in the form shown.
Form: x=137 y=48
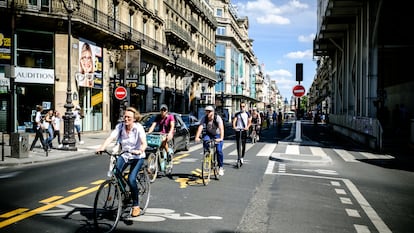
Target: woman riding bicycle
x=214 y=129
x=166 y=124
x=132 y=138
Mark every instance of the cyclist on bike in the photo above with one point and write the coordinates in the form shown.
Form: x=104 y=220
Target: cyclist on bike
x=256 y=122
x=214 y=128
x=166 y=124
x=241 y=123
x=133 y=140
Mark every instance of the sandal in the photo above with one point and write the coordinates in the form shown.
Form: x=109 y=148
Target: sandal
x=136 y=211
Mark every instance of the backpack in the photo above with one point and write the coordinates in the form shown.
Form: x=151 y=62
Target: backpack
x=212 y=131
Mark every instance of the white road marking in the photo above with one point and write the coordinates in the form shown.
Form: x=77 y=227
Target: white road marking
x=292 y=149
x=353 y=213
x=340 y=191
x=361 y=228
x=267 y=150
x=345 y=155
x=270 y=166
x=345 y=200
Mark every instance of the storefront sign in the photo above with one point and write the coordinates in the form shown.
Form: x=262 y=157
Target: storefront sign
x=34 y=75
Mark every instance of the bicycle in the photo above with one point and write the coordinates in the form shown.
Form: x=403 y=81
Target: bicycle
x=157 y=156
x=209 y=162
x=254 y=136
x=113 y=201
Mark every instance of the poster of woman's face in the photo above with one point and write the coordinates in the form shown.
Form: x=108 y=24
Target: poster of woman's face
x=90 y=58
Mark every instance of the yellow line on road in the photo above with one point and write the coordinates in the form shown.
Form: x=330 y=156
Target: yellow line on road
x=46 y=207
x=13 y=212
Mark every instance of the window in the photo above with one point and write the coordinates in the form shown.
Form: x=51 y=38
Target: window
x=221 y=31
x=219 y=12
x=155 y=78
x=35 y=49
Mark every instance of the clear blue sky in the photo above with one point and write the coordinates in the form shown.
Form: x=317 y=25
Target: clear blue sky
x=282 y=33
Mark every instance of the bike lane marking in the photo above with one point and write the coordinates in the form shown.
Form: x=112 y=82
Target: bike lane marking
x=363 y=203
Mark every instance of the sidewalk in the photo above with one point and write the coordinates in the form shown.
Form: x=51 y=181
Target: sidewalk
x=92 y=141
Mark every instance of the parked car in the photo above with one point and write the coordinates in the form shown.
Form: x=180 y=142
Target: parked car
x=181 y=140
x=192 y=123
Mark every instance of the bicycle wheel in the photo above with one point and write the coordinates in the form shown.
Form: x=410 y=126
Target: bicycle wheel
x=144 y=187
x=215 y=167
x=152 y=166
x=253 y=135
x=206 y=168
x=107 y=206
x=169 y=167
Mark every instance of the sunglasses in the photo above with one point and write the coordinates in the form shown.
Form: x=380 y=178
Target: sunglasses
x=163 y=109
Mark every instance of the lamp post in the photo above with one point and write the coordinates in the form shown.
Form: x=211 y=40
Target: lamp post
x=68 y=119
x=176 y=55
x=221 y=79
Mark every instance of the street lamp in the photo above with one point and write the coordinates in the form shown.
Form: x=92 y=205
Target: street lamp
x=221 y=79
x=176 y=54
x=68 y=119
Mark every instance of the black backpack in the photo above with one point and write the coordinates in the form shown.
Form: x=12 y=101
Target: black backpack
x=212 y=131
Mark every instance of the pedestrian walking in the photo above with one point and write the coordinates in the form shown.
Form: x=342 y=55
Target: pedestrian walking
x=38 y=125
x=56 y=120
x=47 y=125
x=78 y=122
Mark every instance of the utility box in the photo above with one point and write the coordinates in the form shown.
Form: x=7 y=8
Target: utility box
x=19 y=145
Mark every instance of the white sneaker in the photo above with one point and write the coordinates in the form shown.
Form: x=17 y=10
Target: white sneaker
x=60 y=146
x=221 y=171
x=241 y=160
x=81 y=142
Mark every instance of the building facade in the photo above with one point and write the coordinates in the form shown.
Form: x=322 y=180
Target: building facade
x=161 y=51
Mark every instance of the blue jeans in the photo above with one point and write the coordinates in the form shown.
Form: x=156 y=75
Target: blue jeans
x=219 y=148
x=49 y=139
x=136 y=165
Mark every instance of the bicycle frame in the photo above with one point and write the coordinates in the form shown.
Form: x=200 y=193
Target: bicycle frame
x=157 y=156
x=113 y=198
x=209 y=162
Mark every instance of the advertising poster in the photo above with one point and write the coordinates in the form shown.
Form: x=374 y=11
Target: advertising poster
x=90 y=65
x=5 y=48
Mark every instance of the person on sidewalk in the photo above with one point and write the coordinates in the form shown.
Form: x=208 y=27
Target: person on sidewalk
x=214 y=128
x=56 y=119
x=133 y=140
x=78 y=121
x=256 y=122
x=48 y=126
x=38 y=125
x=241 y=123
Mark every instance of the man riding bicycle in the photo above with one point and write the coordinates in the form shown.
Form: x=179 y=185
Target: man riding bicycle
x=166 y=124
x=241 y=123
x=214 y=128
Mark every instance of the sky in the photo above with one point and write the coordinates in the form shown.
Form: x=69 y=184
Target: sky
x=282 y=32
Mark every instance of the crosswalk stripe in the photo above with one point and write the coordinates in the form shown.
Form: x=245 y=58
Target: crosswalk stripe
x=317 y=151
x=267 y=150
x=248 y=146
x=292 y=149
x=345 y=155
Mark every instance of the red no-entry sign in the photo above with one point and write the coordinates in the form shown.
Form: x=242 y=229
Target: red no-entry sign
x=120 y=93
x=298 y=90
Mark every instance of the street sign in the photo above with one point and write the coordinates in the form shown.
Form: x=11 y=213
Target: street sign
x=298 y=90
x=120 y=93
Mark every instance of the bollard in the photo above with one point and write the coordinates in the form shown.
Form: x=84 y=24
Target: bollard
x=298 y=132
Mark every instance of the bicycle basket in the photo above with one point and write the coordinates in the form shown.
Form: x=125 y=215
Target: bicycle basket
x=154 y=139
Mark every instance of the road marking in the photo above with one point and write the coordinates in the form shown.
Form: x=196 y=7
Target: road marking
x=267 y=150
x=363 y=203
x=270 y=166
x=361 y=229
x=345 y=200
x=345 y=155
x=13 y=212
x=340 y=191
x=292 y=149
x=353 y=213
x=248 y=146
